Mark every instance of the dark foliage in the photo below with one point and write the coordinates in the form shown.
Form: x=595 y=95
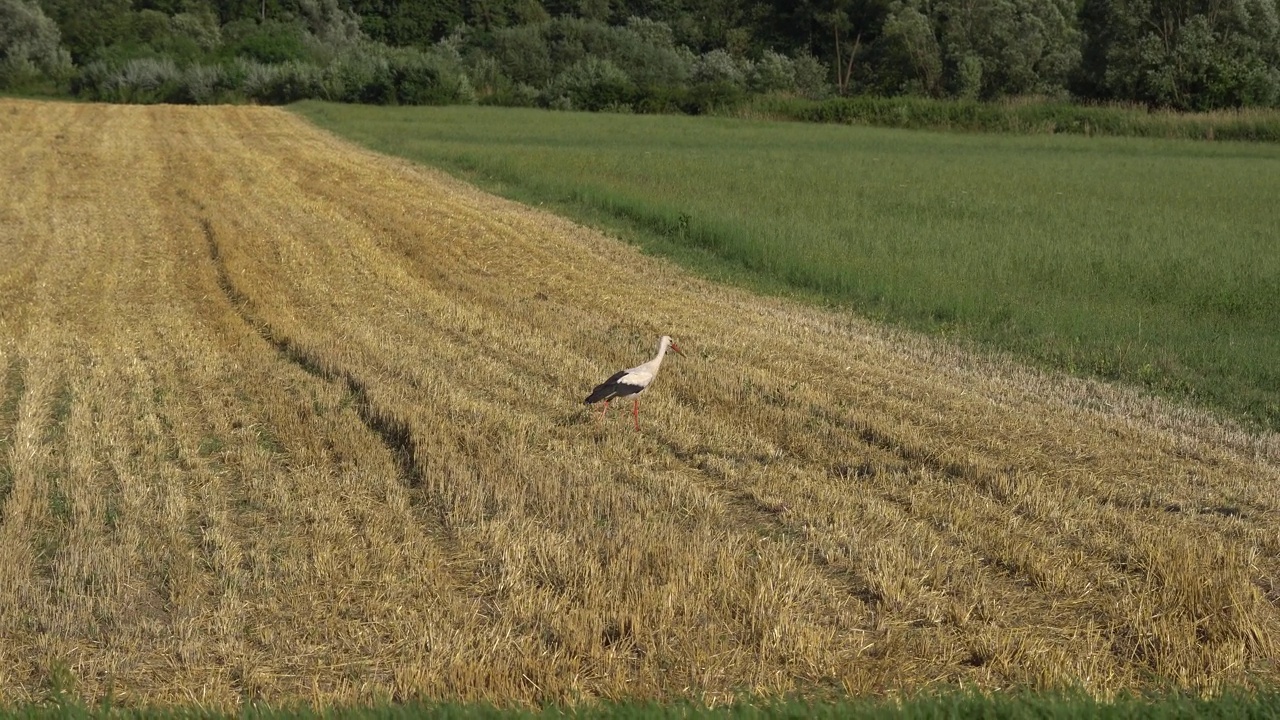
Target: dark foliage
x=687 y=55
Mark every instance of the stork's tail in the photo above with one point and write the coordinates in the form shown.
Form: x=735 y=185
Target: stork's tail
x=607 y=391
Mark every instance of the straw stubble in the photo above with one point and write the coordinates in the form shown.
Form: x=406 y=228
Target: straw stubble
x=286 y=420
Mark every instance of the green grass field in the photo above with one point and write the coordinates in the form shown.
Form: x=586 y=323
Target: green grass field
x=1155 y=262
x=954 y=706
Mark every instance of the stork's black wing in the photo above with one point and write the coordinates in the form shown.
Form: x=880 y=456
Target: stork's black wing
x=613 y=388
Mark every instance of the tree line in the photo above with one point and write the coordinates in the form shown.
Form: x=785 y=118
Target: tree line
x=645 y=55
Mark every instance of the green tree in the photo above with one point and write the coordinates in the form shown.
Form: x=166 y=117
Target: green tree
x=590 y=84
x=232 y=10
x=845 y=34
x=1185 y=54
x=981 y=48
x=408 y=22
x=912 y=54
x=199 y=26
x=492 y=14
x=269 y=42
x=523 y=54
x=90 y=26
x=1008 y=47
x=29 y=45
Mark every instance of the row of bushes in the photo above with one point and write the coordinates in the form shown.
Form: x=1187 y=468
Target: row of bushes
x=379 y=75
x=591 y=75
x=566 y=62
x=715 y=81
x=399 y=76
x=571 y=62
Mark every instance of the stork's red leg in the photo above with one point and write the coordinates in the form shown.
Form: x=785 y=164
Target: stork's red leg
x=635 y=413
x=605 y=410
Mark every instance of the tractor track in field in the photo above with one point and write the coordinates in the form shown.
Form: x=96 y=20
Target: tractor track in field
x=394 y=433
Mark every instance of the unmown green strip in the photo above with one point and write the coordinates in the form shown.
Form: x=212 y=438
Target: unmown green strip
x=1153 y=262
x=1236 y=705
x=1023 y=116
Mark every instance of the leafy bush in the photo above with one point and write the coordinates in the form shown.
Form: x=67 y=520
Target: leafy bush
x=523 y=54
x=773 y=72
x=361 y=75
x=659 y=98
x=513 y=95
x=421 y=78
x=590 y=84
x=718 y=67
x=204 y=85
x=365 y=74
x=811 y=77
x=719 y=81
x=486 y=75
x=646 y=52
x=201 y=29
x=137 y=80
x=652 y=32
x=330 y=25
x=538 y=55
x=148 y=80
x=281 y=83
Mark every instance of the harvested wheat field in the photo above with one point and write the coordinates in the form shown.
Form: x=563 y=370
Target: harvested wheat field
x=284 y=420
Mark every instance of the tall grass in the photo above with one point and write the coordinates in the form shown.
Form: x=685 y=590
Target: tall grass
x=955 y=706
x=1023 y=115
x=1150 y=261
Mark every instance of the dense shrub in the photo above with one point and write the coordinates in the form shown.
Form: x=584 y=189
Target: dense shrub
x=366 y=74
x=424 y=78
x=588 y=64
x=511 y=95
x=137 y=80
x=206 y=84
x=358 y=75
x=646 y=52
x=590 y=84
x=718 y=67
x=317 y=50
x=694 y=55
x=773 y=72
x=718 y=80
x=281 y=83
x=811 y=77
x=201 y=29
x=522 y=54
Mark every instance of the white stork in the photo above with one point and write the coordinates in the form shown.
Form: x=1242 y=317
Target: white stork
x=632 y=382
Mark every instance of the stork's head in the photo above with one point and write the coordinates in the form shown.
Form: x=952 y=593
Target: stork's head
x=671 y=344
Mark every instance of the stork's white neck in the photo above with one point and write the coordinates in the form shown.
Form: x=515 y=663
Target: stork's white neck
x=663 y=344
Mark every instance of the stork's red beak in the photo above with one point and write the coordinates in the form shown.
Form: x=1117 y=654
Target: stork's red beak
x=676 y=349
